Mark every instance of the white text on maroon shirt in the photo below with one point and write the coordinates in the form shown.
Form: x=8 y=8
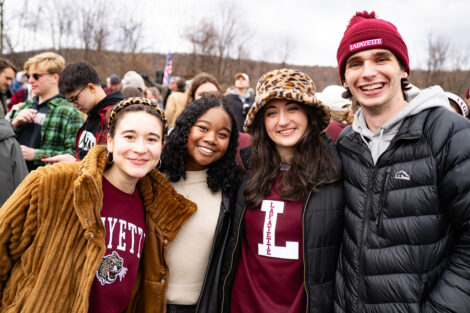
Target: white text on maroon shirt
x=123 y=243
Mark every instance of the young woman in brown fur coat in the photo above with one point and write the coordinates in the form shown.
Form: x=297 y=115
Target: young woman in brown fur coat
x=90 y=236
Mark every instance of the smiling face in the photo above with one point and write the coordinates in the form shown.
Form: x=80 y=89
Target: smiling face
x=285 y=123
x=208 y=139
x=374 y=79
x=136 y=147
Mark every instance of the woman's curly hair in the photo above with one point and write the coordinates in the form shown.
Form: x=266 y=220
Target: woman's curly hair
x=223 y=174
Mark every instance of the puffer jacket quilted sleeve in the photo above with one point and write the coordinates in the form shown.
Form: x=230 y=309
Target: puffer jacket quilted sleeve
x=451 y=146
x=406 y=244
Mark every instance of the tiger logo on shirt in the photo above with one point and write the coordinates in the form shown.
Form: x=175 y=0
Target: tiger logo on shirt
x=110 y=268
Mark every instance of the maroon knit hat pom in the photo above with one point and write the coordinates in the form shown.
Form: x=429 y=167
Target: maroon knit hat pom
x=366 y=31
x=358 y=16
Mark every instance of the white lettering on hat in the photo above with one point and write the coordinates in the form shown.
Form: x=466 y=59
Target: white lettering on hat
x=365 y=43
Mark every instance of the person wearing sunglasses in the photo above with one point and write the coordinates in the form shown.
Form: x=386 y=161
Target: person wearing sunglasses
x=46 y=125
x=80 y=83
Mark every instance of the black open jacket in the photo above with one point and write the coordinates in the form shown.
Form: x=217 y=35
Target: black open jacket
x=322 y=228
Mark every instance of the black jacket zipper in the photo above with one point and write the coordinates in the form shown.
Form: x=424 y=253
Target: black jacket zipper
x=303 y=248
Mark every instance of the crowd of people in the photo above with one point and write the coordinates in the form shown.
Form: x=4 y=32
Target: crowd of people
x=134 y=197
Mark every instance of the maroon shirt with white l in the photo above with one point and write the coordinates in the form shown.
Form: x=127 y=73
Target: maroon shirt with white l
x=123 y=218
x=270 y=275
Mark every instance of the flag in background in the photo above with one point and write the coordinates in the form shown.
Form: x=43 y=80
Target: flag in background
x=168 y=69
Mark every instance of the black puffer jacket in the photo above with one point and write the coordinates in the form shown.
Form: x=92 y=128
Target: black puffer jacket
x=322 y=225
x=406 y=245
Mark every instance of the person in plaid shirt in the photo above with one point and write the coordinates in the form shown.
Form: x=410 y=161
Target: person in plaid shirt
x=80 y=83
x=47 y=125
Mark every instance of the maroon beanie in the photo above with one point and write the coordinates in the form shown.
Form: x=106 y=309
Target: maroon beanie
x=365 y=31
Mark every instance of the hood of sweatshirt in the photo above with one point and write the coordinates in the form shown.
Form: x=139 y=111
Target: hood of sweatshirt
x=110 y=99
x=379 y=140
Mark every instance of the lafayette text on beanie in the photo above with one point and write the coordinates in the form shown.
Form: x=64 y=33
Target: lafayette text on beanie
x=286 y=84
x=365 y=31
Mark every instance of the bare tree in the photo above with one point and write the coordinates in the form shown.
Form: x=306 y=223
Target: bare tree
x=203 y=39
x=94 y=27
x=60 y=21
x=218 y=44
x=232 y=36
x=284 y=50
x=131 y=35
x=438 y=52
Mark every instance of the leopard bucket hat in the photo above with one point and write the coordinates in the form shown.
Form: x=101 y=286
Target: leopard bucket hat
x=286 y=84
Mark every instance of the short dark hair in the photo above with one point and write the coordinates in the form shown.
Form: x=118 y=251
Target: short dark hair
x=4 y=63
x=76 y=76
x=181 y=84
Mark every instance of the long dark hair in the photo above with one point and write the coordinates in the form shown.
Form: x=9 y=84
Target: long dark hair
x=221 y=175
x=311 y=165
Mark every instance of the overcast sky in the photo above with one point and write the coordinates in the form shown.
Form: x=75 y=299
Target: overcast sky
x=314 y=28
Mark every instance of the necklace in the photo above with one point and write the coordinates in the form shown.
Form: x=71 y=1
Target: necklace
x=284 y=166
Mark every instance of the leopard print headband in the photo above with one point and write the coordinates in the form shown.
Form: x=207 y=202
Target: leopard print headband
x=137 y=100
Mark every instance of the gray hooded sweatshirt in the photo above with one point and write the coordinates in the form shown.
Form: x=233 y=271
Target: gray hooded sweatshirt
x=379 y=140
x=12 y=165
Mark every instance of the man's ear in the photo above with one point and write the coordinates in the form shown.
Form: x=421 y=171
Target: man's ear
x=56 y=77
x=91 y=86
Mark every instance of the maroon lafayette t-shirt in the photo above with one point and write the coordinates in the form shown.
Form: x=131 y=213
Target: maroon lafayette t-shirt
x=123 y=218
x=269 y=274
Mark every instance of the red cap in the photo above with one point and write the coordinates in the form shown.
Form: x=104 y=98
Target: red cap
x=365 y=31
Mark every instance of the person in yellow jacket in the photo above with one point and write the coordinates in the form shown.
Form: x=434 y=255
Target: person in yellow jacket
x=91 y=236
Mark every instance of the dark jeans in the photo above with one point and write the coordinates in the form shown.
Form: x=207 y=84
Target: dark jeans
x=177 y=308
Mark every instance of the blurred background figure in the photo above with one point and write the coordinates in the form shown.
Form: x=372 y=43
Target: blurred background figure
x=467 y=96
x=113 y=84
x=177 y=99
x=20 y=81
x=7 y=74
x=340 y=108
x=23 y=94
x=201 y=83
x=153 y=93
x=130 y=92
x=133 y=80
x=457 y=104
x=172 y=87
x=12 y=165
x=240 y=99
